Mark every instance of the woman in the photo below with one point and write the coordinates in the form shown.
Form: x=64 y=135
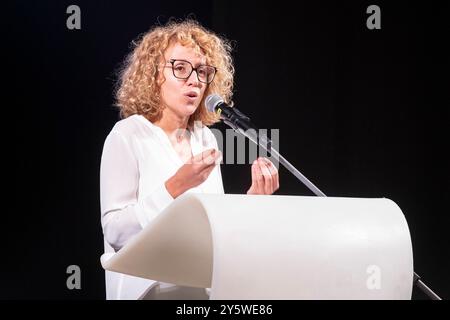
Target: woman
x=158 y=151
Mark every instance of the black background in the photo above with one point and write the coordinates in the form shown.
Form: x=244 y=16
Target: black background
x=362 y=113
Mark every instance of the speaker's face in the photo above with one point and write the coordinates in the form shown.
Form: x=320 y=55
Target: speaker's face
x=182 y=91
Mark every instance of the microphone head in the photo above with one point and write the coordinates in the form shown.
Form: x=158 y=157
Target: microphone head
x=212 y=101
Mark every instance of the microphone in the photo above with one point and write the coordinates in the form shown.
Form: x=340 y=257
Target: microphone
x=230 y=115
x=238 y=121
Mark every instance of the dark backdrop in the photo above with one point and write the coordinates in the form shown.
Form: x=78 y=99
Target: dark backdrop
x=362 y=113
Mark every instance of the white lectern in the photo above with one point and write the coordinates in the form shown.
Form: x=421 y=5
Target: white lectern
x=275 y=247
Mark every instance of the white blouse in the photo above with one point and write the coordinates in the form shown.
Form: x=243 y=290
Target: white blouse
x=137 y=159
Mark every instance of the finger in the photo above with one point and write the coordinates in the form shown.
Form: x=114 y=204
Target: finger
x=200 y=157
x=259 y=178
x=218 y=157
x=209 y=164
x=208 y=156
x=268 y=188
x=274 y=174
x=213 y=159
x=254 y=185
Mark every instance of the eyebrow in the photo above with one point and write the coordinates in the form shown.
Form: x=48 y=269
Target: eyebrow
x=195 y=65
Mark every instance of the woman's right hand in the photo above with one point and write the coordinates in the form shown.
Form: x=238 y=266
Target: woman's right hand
x=193 y=172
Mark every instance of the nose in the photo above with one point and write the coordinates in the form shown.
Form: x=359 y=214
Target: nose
x=193 y=79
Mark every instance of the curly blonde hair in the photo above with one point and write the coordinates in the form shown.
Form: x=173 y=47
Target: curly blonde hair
x=138 y=90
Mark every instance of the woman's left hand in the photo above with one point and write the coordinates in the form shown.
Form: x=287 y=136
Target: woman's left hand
x=264 y=177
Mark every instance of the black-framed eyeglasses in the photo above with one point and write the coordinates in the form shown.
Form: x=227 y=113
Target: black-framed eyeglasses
x=183 y=69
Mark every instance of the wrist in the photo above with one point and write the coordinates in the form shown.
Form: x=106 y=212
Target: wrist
x=174 y=187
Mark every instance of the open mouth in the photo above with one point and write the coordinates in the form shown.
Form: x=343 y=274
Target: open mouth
x=192 y=95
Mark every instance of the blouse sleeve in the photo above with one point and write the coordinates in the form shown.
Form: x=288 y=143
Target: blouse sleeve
x=122 y=215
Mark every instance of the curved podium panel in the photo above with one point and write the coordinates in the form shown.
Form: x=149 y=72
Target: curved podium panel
x=275 y=247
